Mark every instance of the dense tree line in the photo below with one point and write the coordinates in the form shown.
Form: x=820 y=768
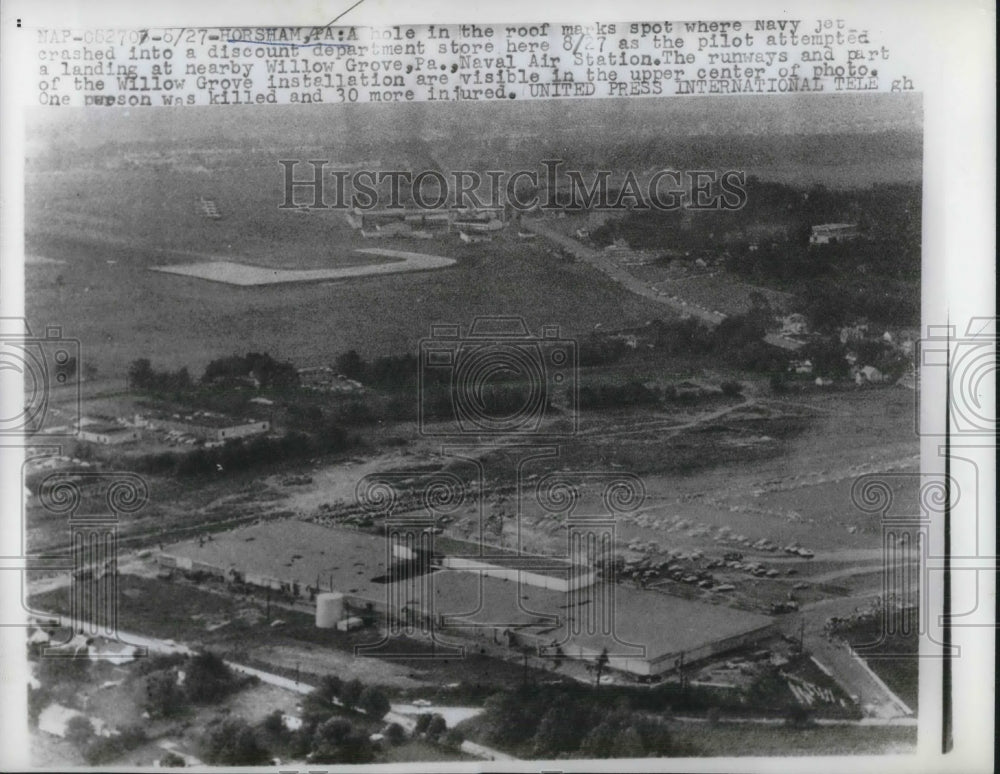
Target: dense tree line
x=391 y=371
x=245 y=454
x=270 y=373
x=551 y=725
x=207 y=680
x=142 y=376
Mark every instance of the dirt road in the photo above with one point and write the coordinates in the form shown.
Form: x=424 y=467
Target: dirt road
x=609 y=267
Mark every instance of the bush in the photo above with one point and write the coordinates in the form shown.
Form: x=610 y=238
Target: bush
x=233 y=743
x=798 y=716
x=350 y=693
x=159 y=694
x=732 y=389
x=172 y=761
x=208 y=678
x=436 y=726
x=337 y=741
x=104 y=749
x=423 y=720
x=395 y=733
x=79 y=730
x=374 y=702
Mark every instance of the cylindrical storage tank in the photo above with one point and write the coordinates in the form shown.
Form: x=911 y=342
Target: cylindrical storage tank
x=329 y=609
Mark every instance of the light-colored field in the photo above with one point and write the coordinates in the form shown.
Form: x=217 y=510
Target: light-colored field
x=245 y=275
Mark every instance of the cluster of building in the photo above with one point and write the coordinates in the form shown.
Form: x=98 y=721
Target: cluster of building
x=326 y=379
x=471 y=224
x=200 y=427
x=833 y=233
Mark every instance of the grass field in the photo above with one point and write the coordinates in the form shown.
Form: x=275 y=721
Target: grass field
x=750 y=739
x=109 y=227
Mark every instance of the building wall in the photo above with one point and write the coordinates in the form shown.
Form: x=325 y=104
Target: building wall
x=554 y=583
x=242 y=431
x=110 y=439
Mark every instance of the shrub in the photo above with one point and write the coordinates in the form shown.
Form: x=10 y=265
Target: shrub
x=79 y=730
x=395 y=733
x=374 y=702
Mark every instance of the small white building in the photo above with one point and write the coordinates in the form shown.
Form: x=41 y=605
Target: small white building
x=833 y=233
x=55 y=718
x=109 y=435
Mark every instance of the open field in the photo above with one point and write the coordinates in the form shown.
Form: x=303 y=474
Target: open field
x=120 y=311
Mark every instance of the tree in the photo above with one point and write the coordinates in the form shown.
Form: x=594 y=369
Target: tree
x=274 y=724
x=351 y=365
x=233 y=743
x=798 y=716
x=208 y=678
x=172 y=761
x=555 y=735
x=159 y=694
x=395 y=733
x=351 y=692
x=600 y=742
x=79 y=731
x=629 y=744
x=140 y=374
x=329 y=687
x=436 y=727
x=337 y=741
x=374 y=702
x=732 y=389
x=454 y=738
x=599 y=666
x=333 y=731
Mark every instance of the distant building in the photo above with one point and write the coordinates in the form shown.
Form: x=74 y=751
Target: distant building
x=209 y=427
x=109 y=435
x=833 y=233
x=868 y=375
x=55 y=718
x=794 y=325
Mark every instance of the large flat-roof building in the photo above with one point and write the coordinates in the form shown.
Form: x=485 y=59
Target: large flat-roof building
x=542 y=601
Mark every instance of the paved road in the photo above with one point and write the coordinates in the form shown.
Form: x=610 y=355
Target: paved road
x=850 y=672
x=612 y=269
